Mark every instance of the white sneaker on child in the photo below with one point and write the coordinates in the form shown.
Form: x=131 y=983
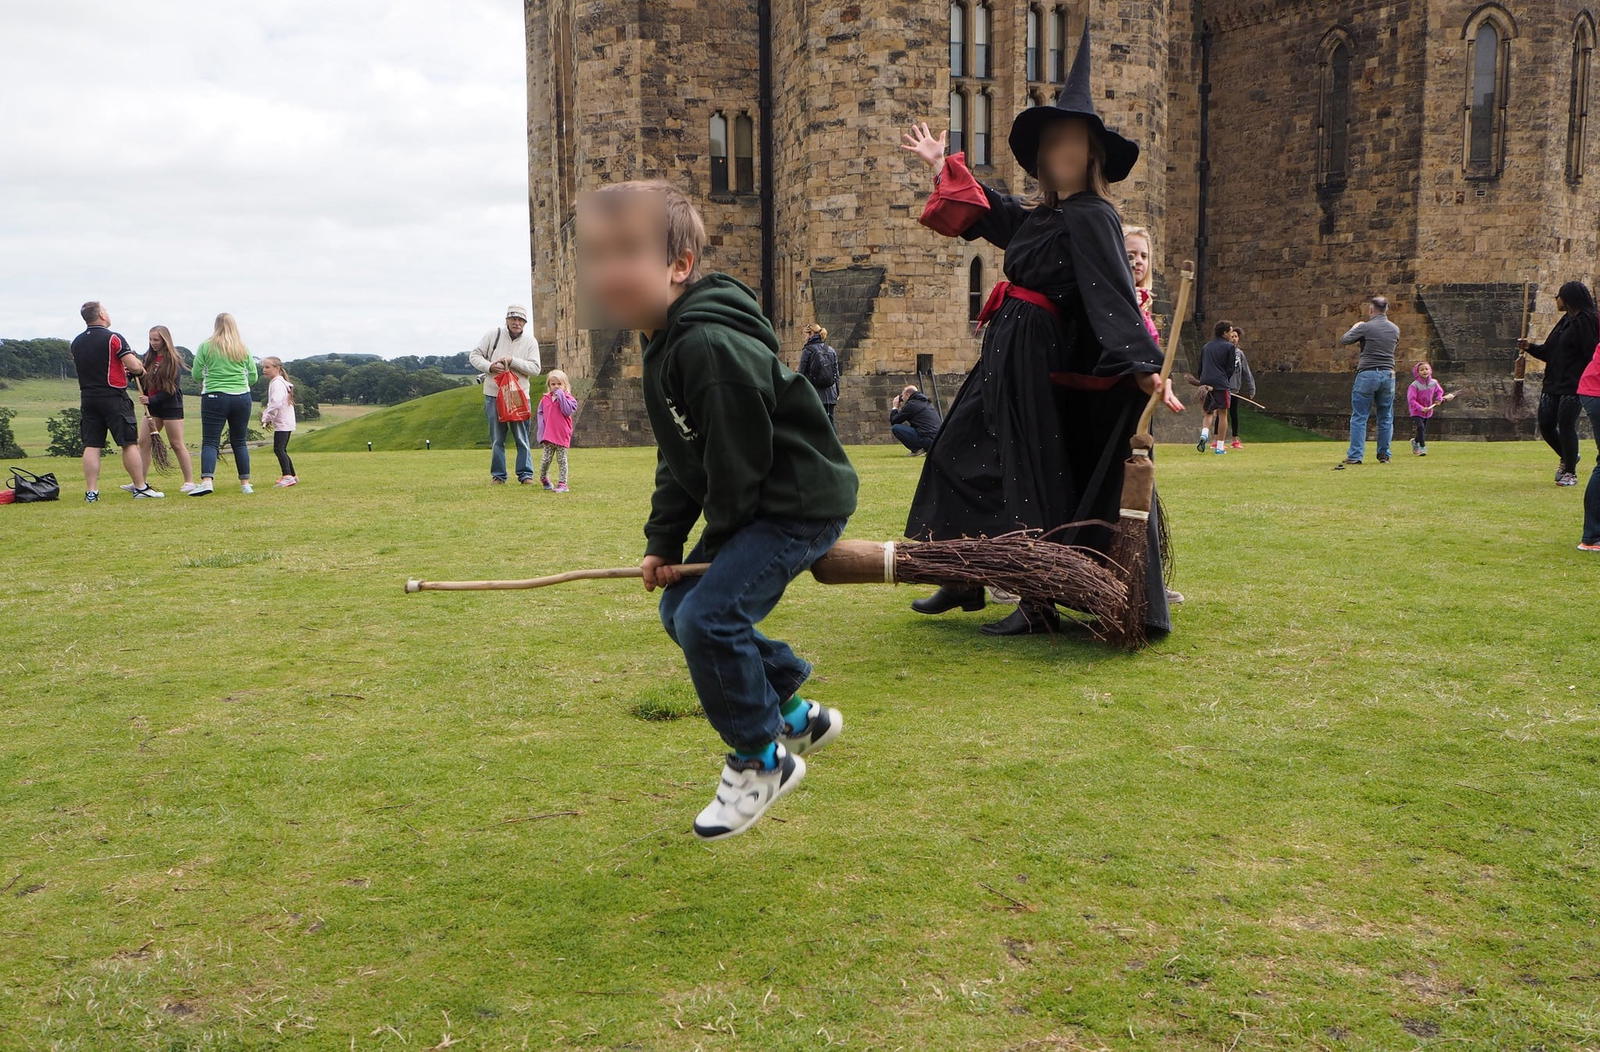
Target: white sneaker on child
x=745 y=792
x=245 y=487
x=822 y=726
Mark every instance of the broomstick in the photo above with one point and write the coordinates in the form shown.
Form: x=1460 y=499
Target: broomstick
x=1519 y=371
x=1130 y=542
x=160 y=455
x=1194 y=381
x=1024 y=563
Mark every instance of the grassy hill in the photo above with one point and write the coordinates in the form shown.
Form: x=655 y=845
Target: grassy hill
x=450 y=419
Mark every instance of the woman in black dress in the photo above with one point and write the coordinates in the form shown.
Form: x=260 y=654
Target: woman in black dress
x=1038 y=433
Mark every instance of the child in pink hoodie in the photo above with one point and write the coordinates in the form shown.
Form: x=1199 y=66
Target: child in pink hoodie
x=1424 y=396
x=556 y=410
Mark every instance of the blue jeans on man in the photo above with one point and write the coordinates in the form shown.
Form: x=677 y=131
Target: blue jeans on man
x=742 y=677
x=1373 y=392
x=497 y=443
x=909 y=438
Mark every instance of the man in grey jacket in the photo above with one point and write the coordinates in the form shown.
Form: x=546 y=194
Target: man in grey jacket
x=1373 y=391
x=507 y=348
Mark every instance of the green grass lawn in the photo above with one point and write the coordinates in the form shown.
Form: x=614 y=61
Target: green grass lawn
x=36 y=401
x=255 y=796
x=449 y=419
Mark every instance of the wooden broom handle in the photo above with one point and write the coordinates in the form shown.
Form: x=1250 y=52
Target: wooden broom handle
x=612 y=574
x=1185 y=292
x=1527 y=309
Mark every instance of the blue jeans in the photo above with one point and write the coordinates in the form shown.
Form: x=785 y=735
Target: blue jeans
x=743 y=678
x=909 y=438
x=217 y=410
x=497 y=443
x=1591 y=496
x=1373 y=392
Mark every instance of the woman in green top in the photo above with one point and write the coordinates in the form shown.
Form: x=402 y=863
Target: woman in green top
x=225 y=370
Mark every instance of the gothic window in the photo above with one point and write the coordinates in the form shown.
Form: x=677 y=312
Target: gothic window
x=744 y=164
x=975 y=289
x=1488 y=37
x=981 y=20
x=958 y=121
x=1333 y=119
x=1058 y=45
x=719 y=153
x=1578 y=102
x=958 y=40
x=980 y=128
x=1035 y=32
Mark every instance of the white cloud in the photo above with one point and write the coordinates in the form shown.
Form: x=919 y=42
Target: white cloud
x=346 y=176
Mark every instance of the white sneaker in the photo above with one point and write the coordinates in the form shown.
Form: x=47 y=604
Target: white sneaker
x=127 y=487
x=822 y=726
x=187 y=487
x=148 y=493
x=246 y=488
x=745 y=792
x=201 y=489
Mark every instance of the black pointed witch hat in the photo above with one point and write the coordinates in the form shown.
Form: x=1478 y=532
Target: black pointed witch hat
x=1076 y=100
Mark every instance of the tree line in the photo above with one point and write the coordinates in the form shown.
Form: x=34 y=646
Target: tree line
x=362 y=379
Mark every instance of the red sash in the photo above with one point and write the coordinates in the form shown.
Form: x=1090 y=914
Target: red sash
x=1006 y=290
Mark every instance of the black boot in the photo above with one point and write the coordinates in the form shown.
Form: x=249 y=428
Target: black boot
x=1028 y=619
x=947 y=598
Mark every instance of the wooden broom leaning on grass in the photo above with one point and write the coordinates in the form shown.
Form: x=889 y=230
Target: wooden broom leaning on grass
x=1023 y=563
x=1130 y=543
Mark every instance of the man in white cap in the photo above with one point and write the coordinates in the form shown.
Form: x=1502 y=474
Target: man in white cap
x=507 y=348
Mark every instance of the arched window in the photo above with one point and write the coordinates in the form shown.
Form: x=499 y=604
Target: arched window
x=1058 y=45
x=744 y=162
x=1035 y=34
x=1333 y=120
x=975 y=288
x=958 y=121
x=980 y=128
x=980 y=39
x=1578 y=102
x=1488 y=37
x=958 y=40
x=719 y=153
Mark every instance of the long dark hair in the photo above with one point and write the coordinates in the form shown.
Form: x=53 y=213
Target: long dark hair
x=163 y=372
x=1579 y=300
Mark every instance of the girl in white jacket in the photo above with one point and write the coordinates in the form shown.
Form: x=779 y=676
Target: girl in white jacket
x=279 y=416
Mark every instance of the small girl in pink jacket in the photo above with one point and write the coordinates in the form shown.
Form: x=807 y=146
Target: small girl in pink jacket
x=556 y=410
x=1424 y=396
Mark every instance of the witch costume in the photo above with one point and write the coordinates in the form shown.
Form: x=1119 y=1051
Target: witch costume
x=1037 y=435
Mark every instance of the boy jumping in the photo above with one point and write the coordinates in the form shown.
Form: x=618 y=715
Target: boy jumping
x=742 y=441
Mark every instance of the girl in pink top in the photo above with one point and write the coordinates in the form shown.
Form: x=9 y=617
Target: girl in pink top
x=1136 y=239
x=279 y=416
x=556 y=411
x=1424 y=396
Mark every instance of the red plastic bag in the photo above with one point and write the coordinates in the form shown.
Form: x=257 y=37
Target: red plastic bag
x=511 y=402
x=8 y=496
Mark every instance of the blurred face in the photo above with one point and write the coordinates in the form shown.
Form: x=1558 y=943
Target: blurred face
x=624 y=276
x=1138 y=247
x=1425 y=371
x=515 y=326
x=1233 y=335
x=270 y=369
x=156 y=342
x=1561 y=304
x=1064 y=155
x=556 y=383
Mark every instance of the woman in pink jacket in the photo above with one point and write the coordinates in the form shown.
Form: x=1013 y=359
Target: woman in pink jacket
x=556 y=411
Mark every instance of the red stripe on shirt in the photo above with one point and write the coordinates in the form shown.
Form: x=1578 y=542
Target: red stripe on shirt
x=116 y=375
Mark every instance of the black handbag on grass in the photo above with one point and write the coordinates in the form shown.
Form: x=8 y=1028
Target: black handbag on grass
x=31 y=488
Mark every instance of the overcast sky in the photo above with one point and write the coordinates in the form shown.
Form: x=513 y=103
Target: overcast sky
x=346 y=176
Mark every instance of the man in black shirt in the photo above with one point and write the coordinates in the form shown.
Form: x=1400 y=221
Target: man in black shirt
x=1217 y=362
x=104 y=361
x=914 y=420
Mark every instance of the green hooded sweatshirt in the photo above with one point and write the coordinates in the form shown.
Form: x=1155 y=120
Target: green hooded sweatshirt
x=738 y=436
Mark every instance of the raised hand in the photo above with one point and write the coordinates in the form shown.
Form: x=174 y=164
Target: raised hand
x=921 y=141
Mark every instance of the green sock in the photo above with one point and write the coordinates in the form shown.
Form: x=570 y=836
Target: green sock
x=796 y=714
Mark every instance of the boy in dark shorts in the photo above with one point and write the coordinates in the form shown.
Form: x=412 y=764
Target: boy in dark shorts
x=104 y=360
x=745 y=443
x=1216 y=372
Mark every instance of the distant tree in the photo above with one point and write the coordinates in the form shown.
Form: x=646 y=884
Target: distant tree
x=8 y=439
x=65 y=439
x=46 y=357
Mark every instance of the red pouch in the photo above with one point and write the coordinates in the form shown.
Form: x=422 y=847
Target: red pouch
x=511 y=402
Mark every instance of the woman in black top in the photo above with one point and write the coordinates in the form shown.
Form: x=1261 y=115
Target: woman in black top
x=1565 y=352
x=163 y=401
x=1037 y=436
